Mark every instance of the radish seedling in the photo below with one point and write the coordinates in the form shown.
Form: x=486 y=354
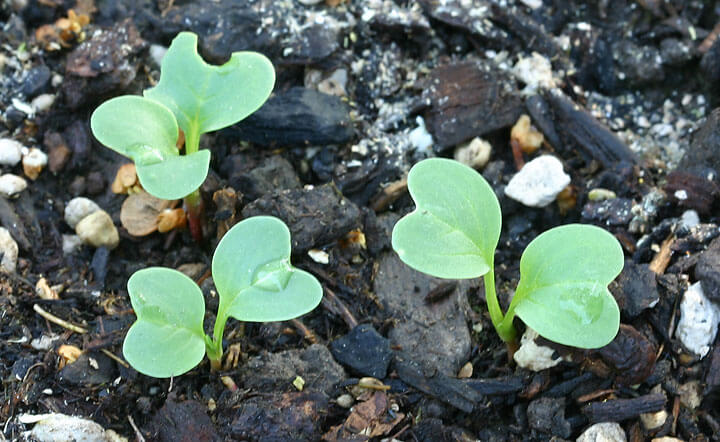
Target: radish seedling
x=193 y=95
x=254 y=280
x=564 y=272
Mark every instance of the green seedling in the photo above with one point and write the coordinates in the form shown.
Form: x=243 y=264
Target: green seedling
x=564 y=272
x=254 y=280
x=191 y=95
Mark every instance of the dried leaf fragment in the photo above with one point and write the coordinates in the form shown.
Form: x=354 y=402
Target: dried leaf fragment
x=44 y=291
x=139 y=213
x=69 y=354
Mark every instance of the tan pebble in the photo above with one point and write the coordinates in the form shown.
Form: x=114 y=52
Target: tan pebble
x=475 y=154
x=170 y=219
x=11 y=185
x=8 y=251
x=78 y=208
x=44 y=291
x=34 y=162
x=125 y=179
x=98 y=230
x=528 y=138
x=466 y=371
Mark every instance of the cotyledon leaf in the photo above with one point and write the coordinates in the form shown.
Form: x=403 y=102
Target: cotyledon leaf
x=146 y=131
x=168 y=338
x=252 y=272
x=455 y=227
x=204 y=97
x=562 y=293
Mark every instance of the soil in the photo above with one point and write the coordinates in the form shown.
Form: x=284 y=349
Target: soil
x=623 y=93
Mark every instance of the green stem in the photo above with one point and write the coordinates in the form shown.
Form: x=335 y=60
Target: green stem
x=213 y=346
x=504 y=328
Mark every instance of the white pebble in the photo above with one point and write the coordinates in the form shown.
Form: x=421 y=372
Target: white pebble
x=532 y=356
x=319 y=256
x=10 y=152
x=699 y=318
x=42 y=102
x=335 y=83
x=310 y=2
x=539 y=182
x=78 y=208
x=603 y=432
x=535 y=71
x=60 y=427
x=652 y=421
x=70 y=243
x=8 y=251
x=11 y=185
x=157 y=53
x=420 y=137
x=98 y=230
x=689 y=219
x=44 y=342
x=475 y=154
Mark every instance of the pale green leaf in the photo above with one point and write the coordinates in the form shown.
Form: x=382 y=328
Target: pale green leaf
x=562 y=294
x=167 y=339
x=205 y=98
x=252 y=272
x=455 y=227
x=146 y=131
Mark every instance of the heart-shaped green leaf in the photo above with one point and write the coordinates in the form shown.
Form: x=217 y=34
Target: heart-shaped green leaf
x=146 y=131
x=167 y=339
x=455 y=228
x=205 y=98
x=252 y=272
x=562 y=293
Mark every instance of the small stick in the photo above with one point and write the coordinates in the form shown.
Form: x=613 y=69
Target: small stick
x=138 y=435
x=342 y=309
x=305 y=331
x=61 y=322
x=112 y=356
x=662 y=258
x=710 y=39
x=517 y=154
x=388 y=195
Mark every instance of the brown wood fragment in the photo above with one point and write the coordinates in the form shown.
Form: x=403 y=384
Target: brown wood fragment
x=662 y=258
x=622 y=409
x=710 y=39
x=389 y=195
x=469 y=100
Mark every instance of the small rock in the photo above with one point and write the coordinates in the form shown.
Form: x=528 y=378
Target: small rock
x=42 y=102
x=535 y=71
x=157 y=53
x=345 y=400
x=652 y=421
x=475 y=154
x=44 y=342
x=699 y=318
x=525 y=135
x=8 y=251
x=58 y=427
x=611 y=212
x=36 y=80
x=70 y=243
x=547 y=414
x=319 y=256
x=310 y=2
x=89 y=370
x=276 y=371
x=98 y=230
x=78 y=208
x=539 y=182
x=635 y=289
x=10 y=152
x=59 y=152
x=34 y=162
x=364 y=350
x=603 y=432
x=335 y=83
x=420 y=137
x=532 y=356
x=691 y=394
x=707 y=270
x=689 y=219
x=183 y=422
x=11 y=185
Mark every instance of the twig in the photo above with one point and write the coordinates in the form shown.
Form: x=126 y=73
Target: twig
x=306 y=332
x=138 y=435
x=61 y=322
x=112 y=356
x=662 y=258
x=337 y=306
